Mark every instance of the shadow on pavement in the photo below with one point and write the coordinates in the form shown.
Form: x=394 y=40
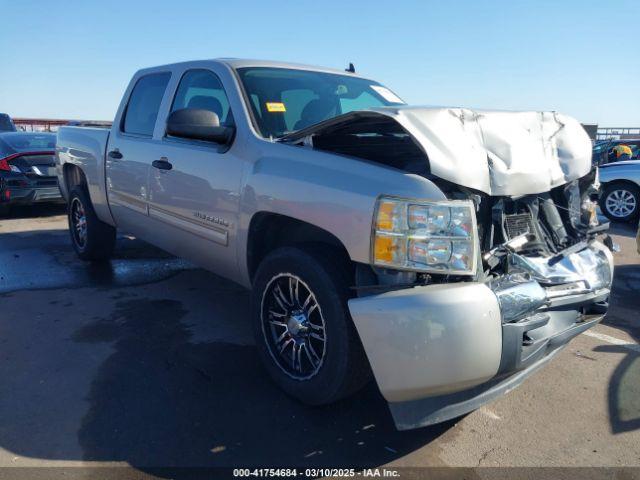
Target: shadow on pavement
x=157 y=397
x=624 y=384
x=160 y=400
x=49 y=253
x=623 y=229
x=624 y=390
x=36 y=211
x=624 y=300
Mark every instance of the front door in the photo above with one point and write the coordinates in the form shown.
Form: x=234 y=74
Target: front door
x=194 y=187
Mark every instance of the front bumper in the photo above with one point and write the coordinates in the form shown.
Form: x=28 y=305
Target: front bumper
x=440 y=351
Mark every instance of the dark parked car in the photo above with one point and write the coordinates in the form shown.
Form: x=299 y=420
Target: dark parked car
x=5 y=193
x=27 y=169
x=6 y=124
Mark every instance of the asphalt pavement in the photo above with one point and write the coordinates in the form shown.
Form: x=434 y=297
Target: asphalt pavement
x=148 y=361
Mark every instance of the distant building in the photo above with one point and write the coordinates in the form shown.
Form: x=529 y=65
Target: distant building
x=618 y=133
x=592 y=130
x=52 y=125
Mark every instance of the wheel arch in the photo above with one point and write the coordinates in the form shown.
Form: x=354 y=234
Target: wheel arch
x=269 y=231
x=73 y=176
x=618 y=181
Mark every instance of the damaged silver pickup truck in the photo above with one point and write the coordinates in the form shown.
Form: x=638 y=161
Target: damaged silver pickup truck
x=449 y=252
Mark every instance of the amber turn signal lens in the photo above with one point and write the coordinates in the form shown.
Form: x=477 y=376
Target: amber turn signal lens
x=384 y=249
x=385 y=216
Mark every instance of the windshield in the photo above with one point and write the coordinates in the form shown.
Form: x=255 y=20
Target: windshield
x=285 y=100
x=26 y=142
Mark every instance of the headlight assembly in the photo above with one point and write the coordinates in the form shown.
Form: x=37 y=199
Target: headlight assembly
x=438 y=237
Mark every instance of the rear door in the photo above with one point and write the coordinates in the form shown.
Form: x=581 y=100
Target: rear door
x=130 y=153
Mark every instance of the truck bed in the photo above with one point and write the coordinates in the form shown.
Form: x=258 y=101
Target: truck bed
x=86 y=148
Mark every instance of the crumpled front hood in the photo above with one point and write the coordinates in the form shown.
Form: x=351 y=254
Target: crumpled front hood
x=498 y=152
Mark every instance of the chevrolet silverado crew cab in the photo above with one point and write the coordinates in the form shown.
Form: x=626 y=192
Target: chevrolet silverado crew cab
x=448 y=252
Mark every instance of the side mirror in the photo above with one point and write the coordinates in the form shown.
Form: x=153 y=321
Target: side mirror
x=198 y=124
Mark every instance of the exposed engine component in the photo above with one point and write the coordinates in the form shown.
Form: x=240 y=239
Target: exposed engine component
x=552 y=222
x=518 y=224
x=539 y=247
x=532 y=214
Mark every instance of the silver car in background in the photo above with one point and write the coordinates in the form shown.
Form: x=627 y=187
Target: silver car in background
x=620 y=190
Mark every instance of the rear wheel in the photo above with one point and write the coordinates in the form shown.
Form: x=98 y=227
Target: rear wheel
x=92 y=239
x=620 y=202
x=4 y=210
x=303 y=329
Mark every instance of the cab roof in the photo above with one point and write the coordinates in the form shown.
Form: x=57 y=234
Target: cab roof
x=236 y=63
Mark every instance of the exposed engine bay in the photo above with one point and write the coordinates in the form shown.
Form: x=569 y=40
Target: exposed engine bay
x=513 y=231
x=541 y=247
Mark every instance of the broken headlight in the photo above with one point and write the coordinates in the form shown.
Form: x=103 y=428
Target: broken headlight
x=437 y=237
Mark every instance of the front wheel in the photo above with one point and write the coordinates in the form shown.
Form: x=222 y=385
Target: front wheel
x=92 y=239
x=304 y=333
x=620 y=202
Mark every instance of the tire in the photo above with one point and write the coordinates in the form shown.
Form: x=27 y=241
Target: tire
x=4 y=210
x=316 y=303
x=96 y=240
x=620 y=202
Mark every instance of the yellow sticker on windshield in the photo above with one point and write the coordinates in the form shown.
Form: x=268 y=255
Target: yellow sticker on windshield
x=275 y=107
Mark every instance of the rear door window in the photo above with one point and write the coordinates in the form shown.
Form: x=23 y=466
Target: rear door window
x=144 y=103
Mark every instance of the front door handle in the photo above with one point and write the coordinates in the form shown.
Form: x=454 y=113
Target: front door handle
x=162 y=164
x=115 y=154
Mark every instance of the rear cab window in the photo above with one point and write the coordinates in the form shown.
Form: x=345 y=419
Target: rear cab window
x=142 y=110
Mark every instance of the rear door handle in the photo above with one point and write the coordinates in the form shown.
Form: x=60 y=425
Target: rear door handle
x=162 y=164
x=115 y=154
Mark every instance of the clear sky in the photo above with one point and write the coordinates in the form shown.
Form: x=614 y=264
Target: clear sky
x=73 y=58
